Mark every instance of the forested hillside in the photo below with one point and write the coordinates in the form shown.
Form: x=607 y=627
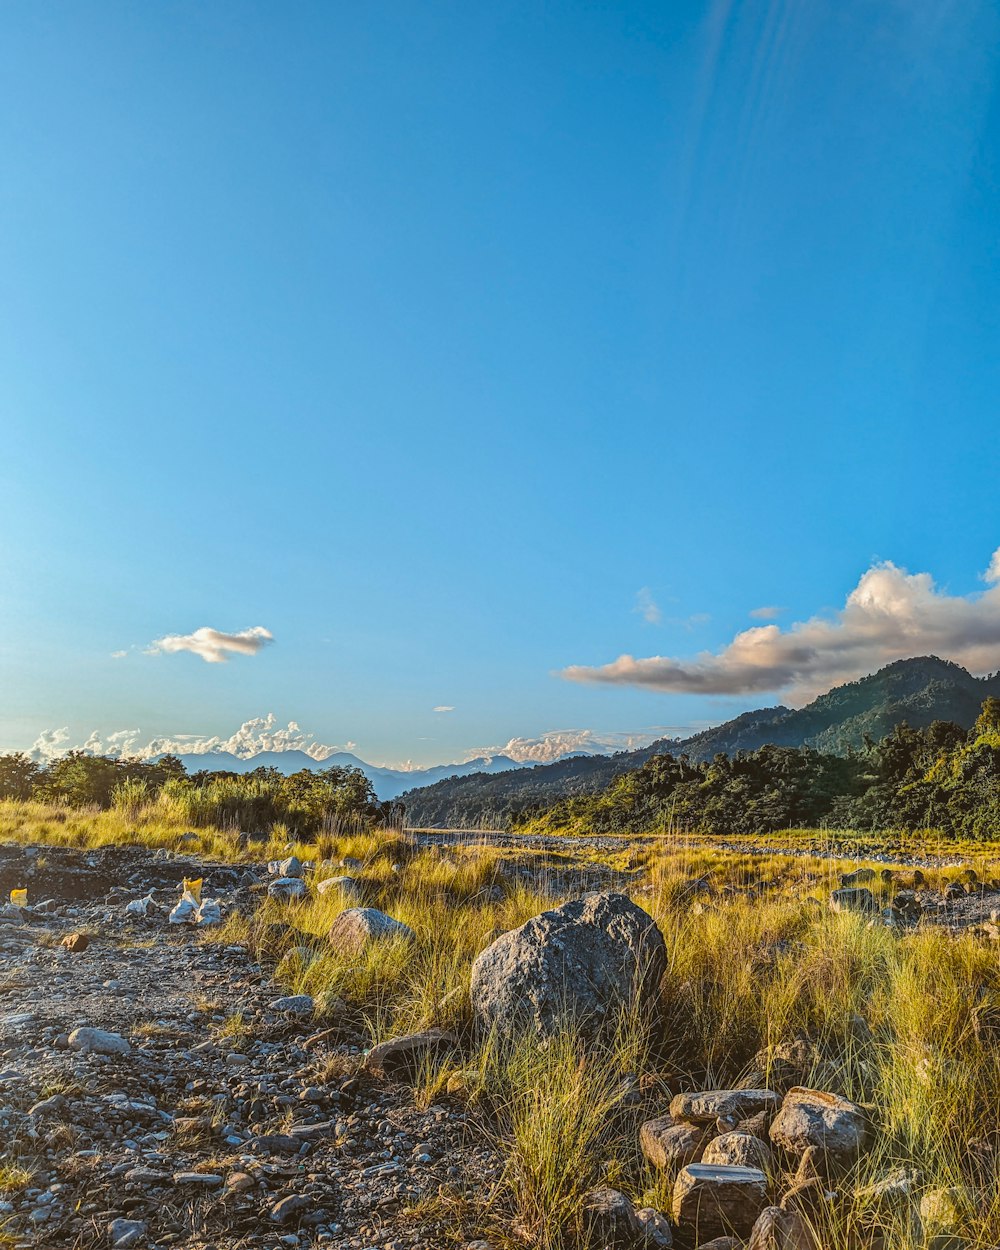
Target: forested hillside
x=918 y=692
x=940 y=777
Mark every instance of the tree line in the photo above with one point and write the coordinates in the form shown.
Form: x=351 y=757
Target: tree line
x=941 y=777
x=305 y=802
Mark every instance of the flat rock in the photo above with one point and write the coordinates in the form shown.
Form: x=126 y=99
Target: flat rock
x=711 y=1200
x=710 y=1105
x=401 y=1058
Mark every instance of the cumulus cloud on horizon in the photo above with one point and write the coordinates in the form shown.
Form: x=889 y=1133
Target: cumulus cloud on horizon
x=890 y=615
x=213 y=645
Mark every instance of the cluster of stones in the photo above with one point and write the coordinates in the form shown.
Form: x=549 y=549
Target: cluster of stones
x=725 y=1151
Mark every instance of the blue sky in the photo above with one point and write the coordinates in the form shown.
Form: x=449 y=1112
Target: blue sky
x=437 y=339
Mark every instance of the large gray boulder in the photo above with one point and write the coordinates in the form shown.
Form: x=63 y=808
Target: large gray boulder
x=584 y=963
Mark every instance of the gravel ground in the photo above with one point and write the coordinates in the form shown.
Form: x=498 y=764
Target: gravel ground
x=269 y=1138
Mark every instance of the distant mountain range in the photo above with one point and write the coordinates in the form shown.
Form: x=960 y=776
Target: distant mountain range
x=387 y=782
x=918 y=691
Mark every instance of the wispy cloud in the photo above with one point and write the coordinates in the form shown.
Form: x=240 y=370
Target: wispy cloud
x=766 y=613
x=118 y=655
x=891 y=614
x=647 y=607
x=214 y=646
x=443 y=707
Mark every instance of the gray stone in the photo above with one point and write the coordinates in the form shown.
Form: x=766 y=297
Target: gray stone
x=860 y=900
x=287 y=889
x=716 y=1201
x=401 y=1058
x=668 y=1145
x=781 y=1230
x=356 y=929
x=609 y=1221
x=97 y=1041
x=724 y=1104
x=741 y=1149
x=346 y=885
x=654 y=1229
x=860 y=876
x=124 y=1233
x=288 y=1208
x=294 y=1005
x=586 y=963
x=835 y=1127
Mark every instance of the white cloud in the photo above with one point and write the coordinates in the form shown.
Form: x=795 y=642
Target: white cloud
x=444 y=708
x=891 y=614
x=49 y=744
x=647 y=607
x=766 y=613
x=213 y=645
x=118 y=655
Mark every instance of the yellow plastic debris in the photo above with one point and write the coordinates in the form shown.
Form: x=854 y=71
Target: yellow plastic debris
x=193 y=887
x=19 y=898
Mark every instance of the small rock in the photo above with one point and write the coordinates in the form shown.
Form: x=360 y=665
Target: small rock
x=669 y=1146
x=97 y=1041
x=294 y=1005
x=723 y=1104
x=835 y=1126
x=402 y=1058
x=123 y=1233
x=287 y=889
x=609 y=1221
x=288 y=1208
x=781 y=1230
x=860 y=900
x=76 y=944
x=355 y=929
x=739 y=1149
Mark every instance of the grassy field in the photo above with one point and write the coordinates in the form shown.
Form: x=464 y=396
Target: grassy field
x=906 y=1022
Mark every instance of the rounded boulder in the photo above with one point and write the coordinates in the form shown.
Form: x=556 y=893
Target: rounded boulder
x=583 y=964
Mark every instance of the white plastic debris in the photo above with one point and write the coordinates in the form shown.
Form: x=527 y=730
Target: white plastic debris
x=142 y=907
x=185 y=909
x=210 y=912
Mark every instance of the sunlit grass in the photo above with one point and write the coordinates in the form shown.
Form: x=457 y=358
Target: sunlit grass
x=906 y=1022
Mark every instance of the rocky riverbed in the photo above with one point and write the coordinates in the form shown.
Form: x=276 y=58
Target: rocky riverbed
x=162 y=1091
